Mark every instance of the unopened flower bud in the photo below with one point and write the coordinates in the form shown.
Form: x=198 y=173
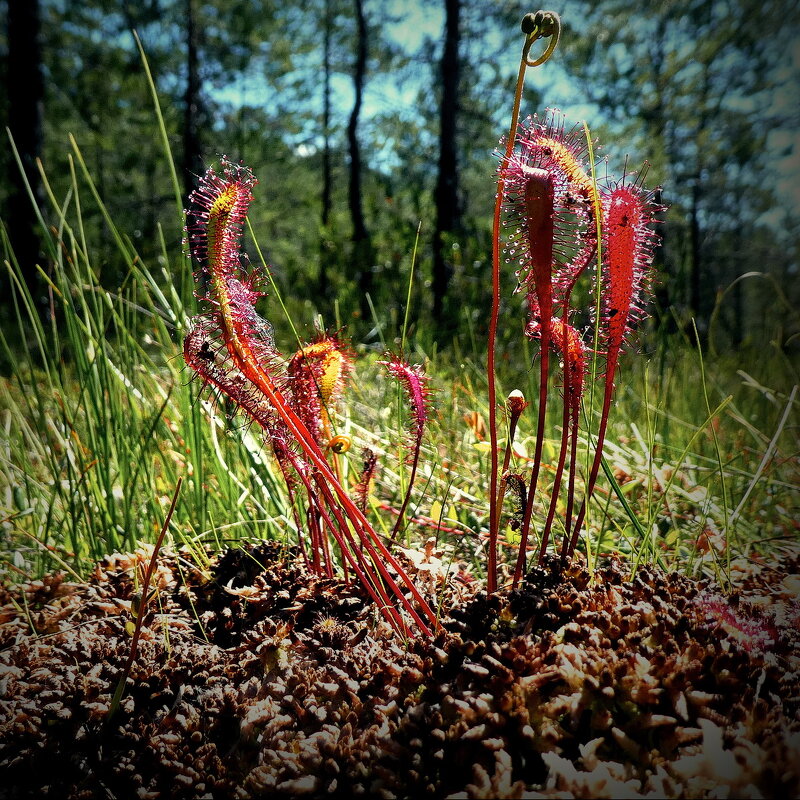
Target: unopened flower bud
x=515 y=403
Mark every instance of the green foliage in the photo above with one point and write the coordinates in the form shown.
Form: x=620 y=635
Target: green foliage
x=711 y=103
x=100 y=418
x=707 y=100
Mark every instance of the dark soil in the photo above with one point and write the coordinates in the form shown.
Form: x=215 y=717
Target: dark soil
x=258 y=679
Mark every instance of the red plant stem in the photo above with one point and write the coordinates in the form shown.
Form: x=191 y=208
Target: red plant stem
x=313 y=521
x=571 y=542
x=494 y=508
x=322 y=540
x=380 y=556
x=293 y=503
x=367 y=578
x=364 y=574
x=255 y=373
x=573 y=463
x=569 y=431
x=385 y=576
x=537 y=455
x=562 y=456
x=414 y=463
x=494 y=500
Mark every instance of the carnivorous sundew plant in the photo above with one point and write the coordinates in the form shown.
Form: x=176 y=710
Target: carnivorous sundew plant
x=231 y=347
x=558 y=222
x=561 y=226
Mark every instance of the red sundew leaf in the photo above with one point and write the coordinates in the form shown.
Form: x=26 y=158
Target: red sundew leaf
x=209 y=359
x=548 y=145
x=214 y=220
x=548 y=148
x=753 y=632
x=318 y=375
x=569 y=343
x=629 y=242
x=415 y=382
x=217 y=212
x=538 y=220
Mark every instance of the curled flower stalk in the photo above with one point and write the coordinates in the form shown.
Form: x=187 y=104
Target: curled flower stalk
x=542 y=25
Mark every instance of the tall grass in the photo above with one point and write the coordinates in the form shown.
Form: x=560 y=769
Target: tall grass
x=100 y=416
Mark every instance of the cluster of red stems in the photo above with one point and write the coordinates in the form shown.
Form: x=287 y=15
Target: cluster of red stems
x=560 y=221
x=232 y=349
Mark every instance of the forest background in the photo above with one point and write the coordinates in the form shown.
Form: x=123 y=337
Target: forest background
x=365 y=121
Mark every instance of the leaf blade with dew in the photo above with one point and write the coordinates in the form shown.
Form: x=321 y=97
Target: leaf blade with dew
x=318 y=373
x=415 y=382
x=629 y=241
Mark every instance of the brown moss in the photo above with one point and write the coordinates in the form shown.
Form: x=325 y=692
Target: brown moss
x=261 y=680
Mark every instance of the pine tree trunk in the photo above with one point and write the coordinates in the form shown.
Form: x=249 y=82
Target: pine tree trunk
x=25 y=92
x=325 y=217
x=362 y=246
x=192 y=146
x=446 y=196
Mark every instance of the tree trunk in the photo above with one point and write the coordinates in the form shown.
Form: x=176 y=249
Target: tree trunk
x=324 y=243
x=362 y=246
x=25 y=91
x=695 y=264
x=656 y=121
x=446 y=198
x=192 y=146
